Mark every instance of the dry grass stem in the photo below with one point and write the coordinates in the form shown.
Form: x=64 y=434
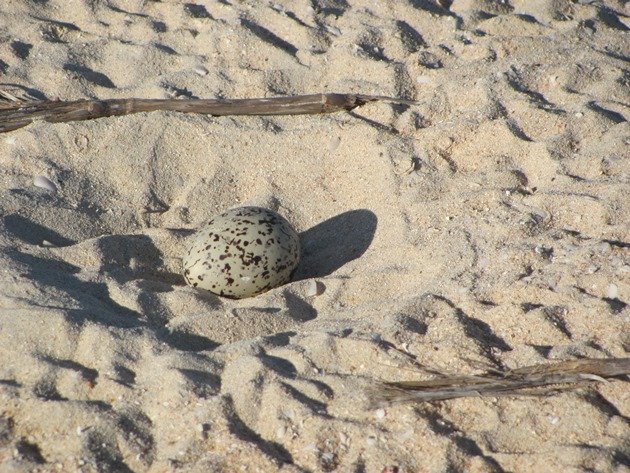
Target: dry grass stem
x=540 y=379
x=15 y=113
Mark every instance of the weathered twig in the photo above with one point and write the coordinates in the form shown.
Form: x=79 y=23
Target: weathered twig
x=16 y=114
x=529 y=380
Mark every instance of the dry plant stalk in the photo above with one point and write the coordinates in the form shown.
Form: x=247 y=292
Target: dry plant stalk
x=16 y=113
x=527 y=381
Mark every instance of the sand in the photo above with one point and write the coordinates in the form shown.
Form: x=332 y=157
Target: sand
x=488 y=225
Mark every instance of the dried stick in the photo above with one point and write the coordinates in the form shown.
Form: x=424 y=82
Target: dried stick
x=529 y=380
x=17 y=113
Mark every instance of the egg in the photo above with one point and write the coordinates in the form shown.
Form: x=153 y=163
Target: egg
x=242 y=252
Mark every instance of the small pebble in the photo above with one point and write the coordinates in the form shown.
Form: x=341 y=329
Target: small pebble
x=332 y=30
x=591 y=269
x=81 y=141
x=603 y=247
x=406 y=435
x=315 y=288
x=334 y=143
x=44 y=183
x=327 y=457
x=200 y=70
x=612 y=291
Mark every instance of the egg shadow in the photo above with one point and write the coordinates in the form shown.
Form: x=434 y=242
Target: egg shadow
x=331 y=244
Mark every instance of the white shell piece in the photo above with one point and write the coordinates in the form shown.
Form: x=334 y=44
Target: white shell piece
x=44 y=183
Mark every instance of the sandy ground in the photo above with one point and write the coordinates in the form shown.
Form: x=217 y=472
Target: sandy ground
x=487 y=225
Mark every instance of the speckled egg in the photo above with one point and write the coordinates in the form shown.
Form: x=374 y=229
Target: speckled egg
x=242 y=252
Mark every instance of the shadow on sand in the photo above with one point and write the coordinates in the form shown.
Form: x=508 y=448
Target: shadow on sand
x=329 y=245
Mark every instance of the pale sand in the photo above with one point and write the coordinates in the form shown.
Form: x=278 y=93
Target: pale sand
x=507 y=242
